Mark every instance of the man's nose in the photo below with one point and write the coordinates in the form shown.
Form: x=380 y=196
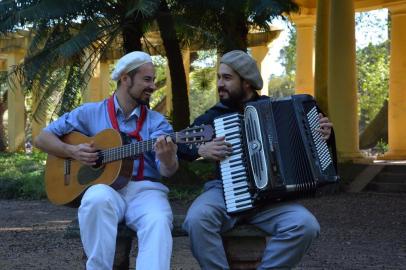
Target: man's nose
x=220 y=82
x=153 y=86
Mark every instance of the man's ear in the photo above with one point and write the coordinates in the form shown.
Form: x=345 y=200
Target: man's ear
x=246 y=85
x=125 y=79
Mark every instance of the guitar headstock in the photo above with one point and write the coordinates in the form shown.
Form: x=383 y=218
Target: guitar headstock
x=195 y=135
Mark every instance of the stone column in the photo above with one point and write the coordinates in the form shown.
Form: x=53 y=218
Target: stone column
x=397 y=85
x=304 y=83
x=259 y=53
x=16 y=108
x=321 y=54
x=36 y=124
x=342 y=88
x=105 y=79
x=3 y=62
x=98 y=87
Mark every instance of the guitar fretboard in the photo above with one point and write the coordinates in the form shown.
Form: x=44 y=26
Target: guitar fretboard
x=129 y=150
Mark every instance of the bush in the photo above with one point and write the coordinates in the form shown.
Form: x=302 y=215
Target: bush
x=22 y=175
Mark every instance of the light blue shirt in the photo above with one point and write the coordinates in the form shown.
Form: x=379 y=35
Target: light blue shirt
x=91 y=118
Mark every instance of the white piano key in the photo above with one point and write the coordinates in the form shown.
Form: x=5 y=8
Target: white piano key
x=233 y=175
x=232 y=205
x=233 y=193
x=231 y=168
x=239 y=198
x=236 y=209
x=237 y=186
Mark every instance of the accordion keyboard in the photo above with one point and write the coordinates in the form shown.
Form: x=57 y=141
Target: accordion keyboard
x=322 y=151
x=233 y=169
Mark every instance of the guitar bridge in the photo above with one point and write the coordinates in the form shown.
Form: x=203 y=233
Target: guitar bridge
x=66 y=176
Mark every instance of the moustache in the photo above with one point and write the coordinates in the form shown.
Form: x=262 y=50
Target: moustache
x=222 y=89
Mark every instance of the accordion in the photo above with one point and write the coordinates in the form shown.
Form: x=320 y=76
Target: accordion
x=277 y=152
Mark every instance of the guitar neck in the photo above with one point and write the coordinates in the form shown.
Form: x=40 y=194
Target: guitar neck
x=130 y=150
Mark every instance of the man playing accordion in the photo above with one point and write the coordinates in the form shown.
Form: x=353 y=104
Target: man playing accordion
x=291 y=226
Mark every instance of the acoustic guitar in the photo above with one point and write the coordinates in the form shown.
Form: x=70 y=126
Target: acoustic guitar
x=67 y=179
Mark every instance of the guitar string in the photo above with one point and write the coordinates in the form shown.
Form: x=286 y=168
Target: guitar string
x=120 y=152
x=132 y=149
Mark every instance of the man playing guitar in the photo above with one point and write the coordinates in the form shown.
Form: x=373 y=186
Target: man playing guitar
x=142 y=204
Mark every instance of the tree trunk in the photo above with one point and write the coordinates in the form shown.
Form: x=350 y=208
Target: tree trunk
x=234 y=28
x=132 y=34
x=132 y=39
x=180 y=99
x=376 y=130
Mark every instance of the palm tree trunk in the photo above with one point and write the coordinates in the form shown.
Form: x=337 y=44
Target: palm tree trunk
x=132 y=34
x=180 y=99
x=234 y=28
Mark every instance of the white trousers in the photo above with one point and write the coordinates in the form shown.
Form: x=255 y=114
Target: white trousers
x=144 y=207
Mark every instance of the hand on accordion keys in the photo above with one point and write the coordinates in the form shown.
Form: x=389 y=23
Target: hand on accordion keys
x=217 y=149
x=325 y=126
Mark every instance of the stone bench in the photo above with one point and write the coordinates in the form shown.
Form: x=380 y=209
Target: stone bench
x=244 y=244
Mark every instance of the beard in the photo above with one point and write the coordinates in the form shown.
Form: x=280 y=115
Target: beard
x=234 y=99
x=142 y=101
x=138 y=99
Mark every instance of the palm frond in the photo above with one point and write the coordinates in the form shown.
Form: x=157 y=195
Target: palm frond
x=22 y=14
x=145 y=8
x=263 y=12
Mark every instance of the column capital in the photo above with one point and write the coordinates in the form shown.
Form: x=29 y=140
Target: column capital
x=397 y=8
x=306 y=18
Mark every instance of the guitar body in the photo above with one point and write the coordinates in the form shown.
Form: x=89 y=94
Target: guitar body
x=66 y=180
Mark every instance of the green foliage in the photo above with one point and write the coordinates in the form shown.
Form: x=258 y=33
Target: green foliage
x=69 y=39
x=188 y=181
x=382 y=147
x=183 y=193
x=287 y=55
x=281 y=86
x=202 y=90
x=284 y=85
x=204 y=169
x=22 y=175
x=225 y=24
x=373 y=80
x=160 y=74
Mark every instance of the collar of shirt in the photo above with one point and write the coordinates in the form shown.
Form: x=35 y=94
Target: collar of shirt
x=135 y=113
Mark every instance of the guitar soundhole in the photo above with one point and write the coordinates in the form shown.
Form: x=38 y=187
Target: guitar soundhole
x=88 y=174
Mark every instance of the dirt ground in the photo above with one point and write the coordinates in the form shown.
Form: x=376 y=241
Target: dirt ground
x=359 y=231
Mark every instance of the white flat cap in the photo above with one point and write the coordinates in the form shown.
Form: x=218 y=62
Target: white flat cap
x=129 y=62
